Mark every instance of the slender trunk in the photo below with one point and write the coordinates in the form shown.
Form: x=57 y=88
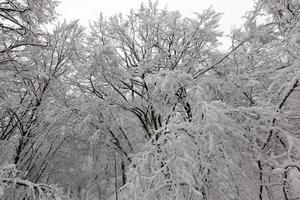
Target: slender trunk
x=116 y=177
x=123 y=172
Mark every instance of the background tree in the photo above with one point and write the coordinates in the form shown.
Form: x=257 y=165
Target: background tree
x=33 y=101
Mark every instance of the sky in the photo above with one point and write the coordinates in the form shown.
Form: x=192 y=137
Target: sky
x=88 y=10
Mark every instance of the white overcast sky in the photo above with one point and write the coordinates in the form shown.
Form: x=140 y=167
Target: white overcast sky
x=88 y=10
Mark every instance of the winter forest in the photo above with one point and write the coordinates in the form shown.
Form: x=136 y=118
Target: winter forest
x=144 y=105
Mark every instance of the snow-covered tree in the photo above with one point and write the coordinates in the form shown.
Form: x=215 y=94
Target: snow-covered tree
x=144 y=105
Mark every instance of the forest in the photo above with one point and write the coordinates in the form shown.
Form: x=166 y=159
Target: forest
x=145 y=106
